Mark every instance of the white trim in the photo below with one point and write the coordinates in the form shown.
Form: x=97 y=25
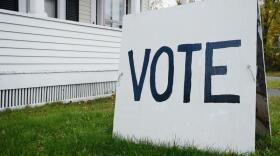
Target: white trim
x=22 y=6
x=135 y=6
x=66 y=101
x=93 y=11
x=61 y=9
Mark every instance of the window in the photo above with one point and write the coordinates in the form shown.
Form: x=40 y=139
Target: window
x=51 y=8
x=113 y=12
x=72 y=10
x=128 y=7
x=9 y=5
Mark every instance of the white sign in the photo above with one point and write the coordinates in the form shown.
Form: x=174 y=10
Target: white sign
x=189 y=76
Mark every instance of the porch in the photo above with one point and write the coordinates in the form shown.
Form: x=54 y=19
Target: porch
x=45 y=60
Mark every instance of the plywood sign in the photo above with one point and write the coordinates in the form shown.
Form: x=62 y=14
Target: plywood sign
x=189 y=76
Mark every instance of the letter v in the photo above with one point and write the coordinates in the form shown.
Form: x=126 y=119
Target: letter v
x=137 y=87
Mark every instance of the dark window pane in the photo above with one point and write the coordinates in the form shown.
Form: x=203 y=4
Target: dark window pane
x=9 y=5
x=72 y=10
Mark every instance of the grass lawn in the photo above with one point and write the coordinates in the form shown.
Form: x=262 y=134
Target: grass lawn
x=86 y=129
x=273 y=73
x=274 y=84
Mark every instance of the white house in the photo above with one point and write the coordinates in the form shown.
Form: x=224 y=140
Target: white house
x=60 y=50
x=100 y=12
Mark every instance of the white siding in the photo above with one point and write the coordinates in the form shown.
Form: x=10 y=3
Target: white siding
x=84 y=11
x=37 y=52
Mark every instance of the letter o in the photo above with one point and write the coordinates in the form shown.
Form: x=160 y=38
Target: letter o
x=166 y=94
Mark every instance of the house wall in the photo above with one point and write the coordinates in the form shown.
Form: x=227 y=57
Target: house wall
x=44 y=59
x=85 y=11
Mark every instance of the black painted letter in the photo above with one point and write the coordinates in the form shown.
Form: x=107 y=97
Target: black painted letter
x=188 y=49
x=217 y=70
x=137 y=87
x=164 y=96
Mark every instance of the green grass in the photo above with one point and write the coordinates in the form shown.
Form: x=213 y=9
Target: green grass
x=274 y=148
x=86 y=129
x=273 y=73
x=274 y=84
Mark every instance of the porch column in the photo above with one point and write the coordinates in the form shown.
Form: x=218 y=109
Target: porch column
x=61 y=9
x=37 y=7
x=135 y=6
x=22 y=6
